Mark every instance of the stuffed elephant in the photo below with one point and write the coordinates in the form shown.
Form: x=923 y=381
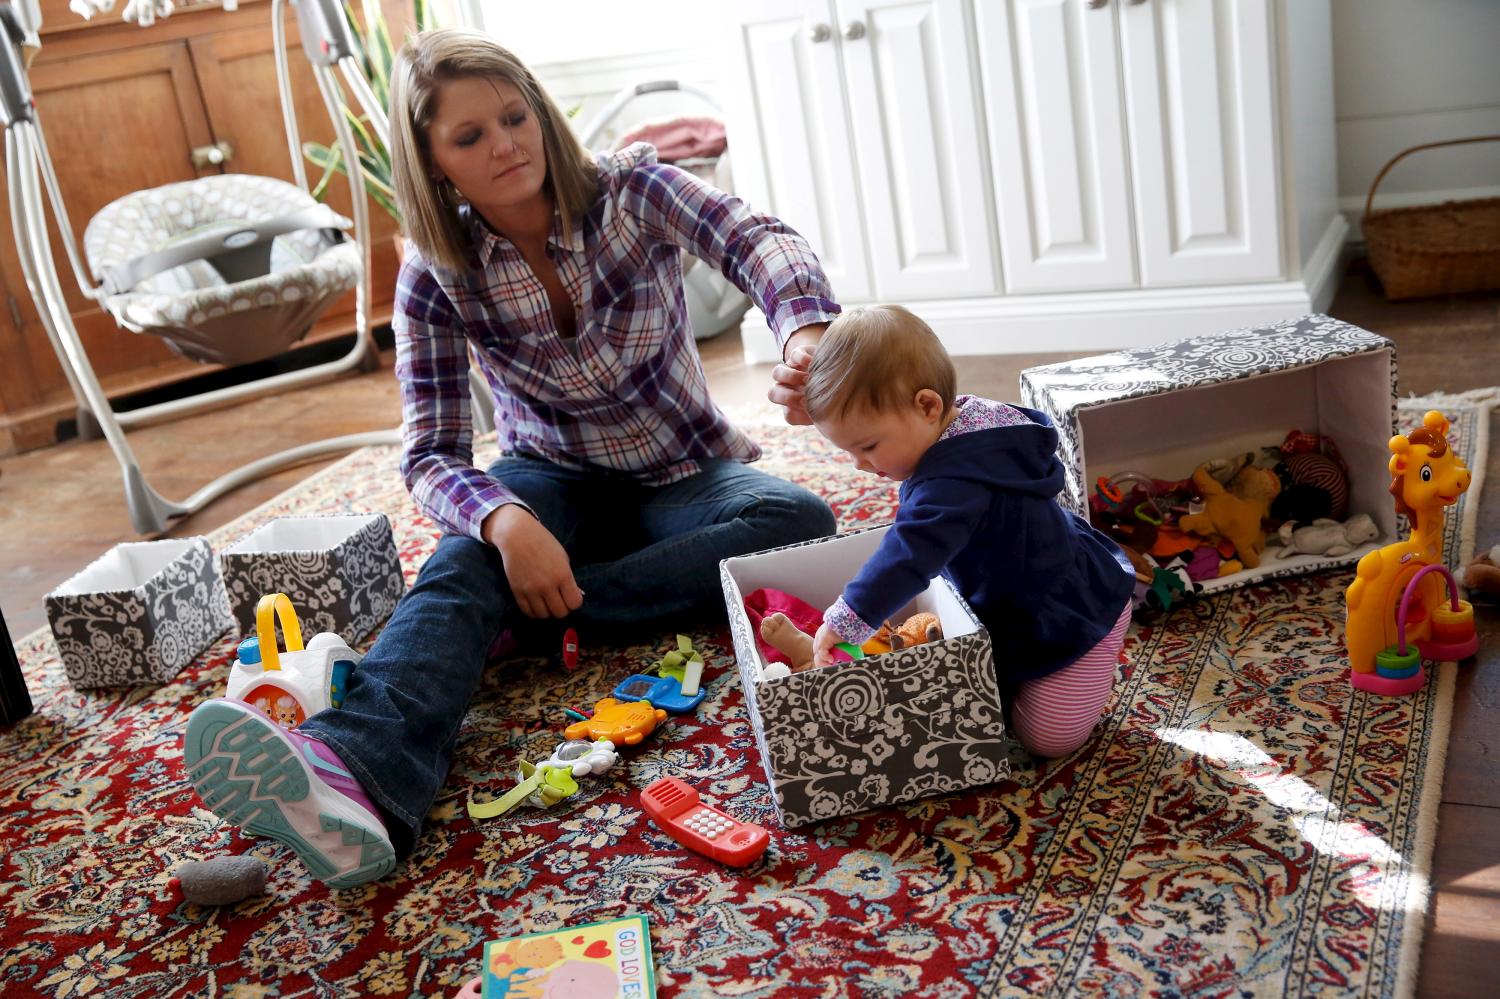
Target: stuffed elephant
x=1327 y=537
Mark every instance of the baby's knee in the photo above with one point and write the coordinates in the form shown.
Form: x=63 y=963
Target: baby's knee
x=1050 y=743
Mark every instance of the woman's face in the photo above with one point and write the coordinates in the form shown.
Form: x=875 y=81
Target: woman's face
x=485 y=138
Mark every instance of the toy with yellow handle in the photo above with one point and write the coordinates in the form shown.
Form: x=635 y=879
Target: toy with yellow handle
x=293 y=685
x=1395 y=606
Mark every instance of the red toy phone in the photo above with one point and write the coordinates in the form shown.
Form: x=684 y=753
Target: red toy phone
x=676 y=807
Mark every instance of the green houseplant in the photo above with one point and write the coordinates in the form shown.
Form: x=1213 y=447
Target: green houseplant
x=375 y=56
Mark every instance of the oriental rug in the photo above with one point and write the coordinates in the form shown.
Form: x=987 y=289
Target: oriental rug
x=1243 y=823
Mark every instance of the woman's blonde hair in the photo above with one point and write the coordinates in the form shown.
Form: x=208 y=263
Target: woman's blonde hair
x=424 y=64
x=877 y=358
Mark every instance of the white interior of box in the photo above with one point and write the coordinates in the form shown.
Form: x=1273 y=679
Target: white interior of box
x=818 y=573
x=1169 y=434
x=125 y=567
x=300 y=534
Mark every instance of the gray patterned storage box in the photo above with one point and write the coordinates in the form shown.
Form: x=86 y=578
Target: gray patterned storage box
x=901 y=726
x=139 y=613
x=342 y=572
x=1163 y=410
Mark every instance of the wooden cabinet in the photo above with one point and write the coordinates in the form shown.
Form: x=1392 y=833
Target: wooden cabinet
x=122 y=108
x=1047 y=174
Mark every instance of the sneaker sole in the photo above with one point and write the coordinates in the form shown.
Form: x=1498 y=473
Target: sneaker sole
x=251 y=776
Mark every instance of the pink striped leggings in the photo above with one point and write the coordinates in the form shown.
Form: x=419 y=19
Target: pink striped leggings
x=1055 y=714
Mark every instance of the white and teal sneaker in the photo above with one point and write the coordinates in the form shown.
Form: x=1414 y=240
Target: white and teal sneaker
x=278 y=783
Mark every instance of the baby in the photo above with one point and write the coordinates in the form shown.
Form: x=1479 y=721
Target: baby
x=979 y=481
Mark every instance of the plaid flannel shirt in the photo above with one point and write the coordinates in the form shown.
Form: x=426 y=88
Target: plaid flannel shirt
x=628 y=394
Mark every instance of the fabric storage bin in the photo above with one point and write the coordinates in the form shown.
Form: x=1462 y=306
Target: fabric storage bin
x=342 y=572
x=1163 y=410
x=139 y=613
x=846 y=738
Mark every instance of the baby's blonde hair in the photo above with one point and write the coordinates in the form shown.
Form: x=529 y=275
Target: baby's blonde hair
x=877 y=357
x=424 y=64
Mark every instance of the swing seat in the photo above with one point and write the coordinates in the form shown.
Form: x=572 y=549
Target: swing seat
x=227 y=269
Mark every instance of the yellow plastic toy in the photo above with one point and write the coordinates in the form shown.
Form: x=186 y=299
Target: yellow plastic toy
x=1398 y=591
x=624 y=723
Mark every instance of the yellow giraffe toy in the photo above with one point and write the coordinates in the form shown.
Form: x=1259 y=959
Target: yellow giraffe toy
x=1427 y=476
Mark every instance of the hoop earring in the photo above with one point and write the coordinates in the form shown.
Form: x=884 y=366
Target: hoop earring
x=449 y=192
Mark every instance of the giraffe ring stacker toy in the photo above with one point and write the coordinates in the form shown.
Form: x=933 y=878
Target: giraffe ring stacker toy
x=1398 y=595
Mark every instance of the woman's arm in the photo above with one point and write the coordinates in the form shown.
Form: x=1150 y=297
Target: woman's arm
x=432 y=369
x=762 y=255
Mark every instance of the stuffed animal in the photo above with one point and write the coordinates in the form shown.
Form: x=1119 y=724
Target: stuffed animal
x=1235 y=512
x=221 y=880
x=919 y=628
x=1327 y=536
x=1482 y=576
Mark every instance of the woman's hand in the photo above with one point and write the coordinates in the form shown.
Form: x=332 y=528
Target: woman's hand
x=537 y=567
x=823 y=643
x=790 y=376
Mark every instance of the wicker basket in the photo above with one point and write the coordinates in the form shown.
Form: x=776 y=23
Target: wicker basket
x=1434 y=249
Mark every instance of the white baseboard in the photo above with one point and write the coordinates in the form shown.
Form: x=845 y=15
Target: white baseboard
x=1098 y=321
x=1325 y=267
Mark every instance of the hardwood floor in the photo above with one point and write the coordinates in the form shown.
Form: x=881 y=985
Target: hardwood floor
x=61 y=507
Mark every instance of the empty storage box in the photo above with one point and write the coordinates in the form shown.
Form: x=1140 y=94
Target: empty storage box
x=139 y=613
x=341 y=572
x=846 y=738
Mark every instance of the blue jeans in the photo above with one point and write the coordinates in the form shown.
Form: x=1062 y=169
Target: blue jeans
x=645 y=557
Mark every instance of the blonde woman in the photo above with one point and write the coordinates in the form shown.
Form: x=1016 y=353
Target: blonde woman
x=621 y=484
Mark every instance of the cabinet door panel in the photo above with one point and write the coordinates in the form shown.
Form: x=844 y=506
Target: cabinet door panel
x=1049 y=74
x=916 y=133
x=1199 y=88
x=789 y=136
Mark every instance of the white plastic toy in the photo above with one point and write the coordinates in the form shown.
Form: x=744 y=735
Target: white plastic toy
x=294 y=685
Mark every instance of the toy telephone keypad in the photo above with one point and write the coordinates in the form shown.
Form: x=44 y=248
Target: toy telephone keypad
x=663 y=692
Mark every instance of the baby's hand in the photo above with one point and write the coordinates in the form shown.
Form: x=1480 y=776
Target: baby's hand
x=823 y=643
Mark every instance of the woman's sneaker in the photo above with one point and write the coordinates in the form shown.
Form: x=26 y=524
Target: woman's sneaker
x=274 y=782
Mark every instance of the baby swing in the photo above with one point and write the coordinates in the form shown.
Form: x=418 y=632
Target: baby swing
x=226 y=269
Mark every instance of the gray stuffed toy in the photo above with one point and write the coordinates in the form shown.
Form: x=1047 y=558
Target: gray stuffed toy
x=222 y=880
x=1327 y=537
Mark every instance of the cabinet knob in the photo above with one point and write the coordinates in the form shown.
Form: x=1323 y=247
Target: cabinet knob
x=214 y=155
x=1096 y=4
x=855 y=31
x=820 y=33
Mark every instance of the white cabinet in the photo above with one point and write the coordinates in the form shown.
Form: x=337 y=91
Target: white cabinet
x=792 y=147
x=909 y=78
x=1050 y=74
x=1047 y=174
x=866 y=139
x=1199 y=93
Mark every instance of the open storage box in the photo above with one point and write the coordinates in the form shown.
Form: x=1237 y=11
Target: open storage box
x=341 y=572
x=139 y=613
x=1163 y=410
x=846 y=738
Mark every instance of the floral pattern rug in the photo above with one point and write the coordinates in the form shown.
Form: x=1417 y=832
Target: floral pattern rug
x=1243 y=823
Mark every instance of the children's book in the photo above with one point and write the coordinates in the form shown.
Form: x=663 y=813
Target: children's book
x=608 y=960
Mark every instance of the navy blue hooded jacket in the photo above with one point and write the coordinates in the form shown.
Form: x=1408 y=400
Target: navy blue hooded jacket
x=981 y=509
